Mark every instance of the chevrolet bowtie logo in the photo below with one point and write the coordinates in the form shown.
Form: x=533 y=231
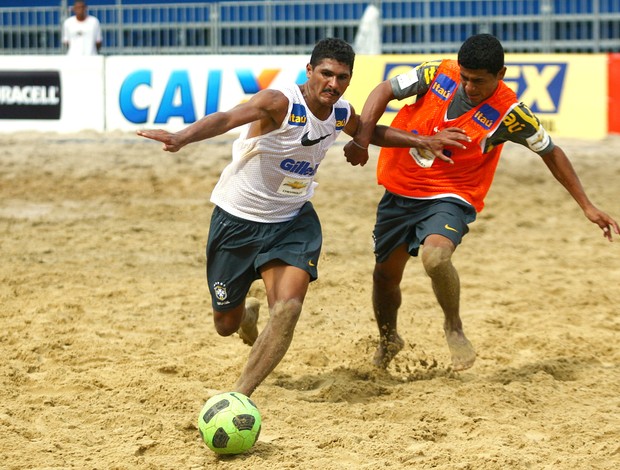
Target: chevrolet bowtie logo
x=296 y=184
x=306 y=142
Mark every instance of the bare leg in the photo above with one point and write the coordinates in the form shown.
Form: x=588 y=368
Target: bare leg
x=270 y=346
x=286 y=288
x=248 y=330
x=436 y=258
x=386 y=300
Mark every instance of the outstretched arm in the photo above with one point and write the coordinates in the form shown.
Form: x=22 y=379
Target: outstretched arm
x=386 y=136
x=562 y=169
x=267 y=108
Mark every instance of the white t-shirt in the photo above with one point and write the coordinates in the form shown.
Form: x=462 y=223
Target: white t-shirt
x=272 y=176
x=81 y=36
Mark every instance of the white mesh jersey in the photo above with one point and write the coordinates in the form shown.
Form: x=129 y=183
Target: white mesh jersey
x=271 y=176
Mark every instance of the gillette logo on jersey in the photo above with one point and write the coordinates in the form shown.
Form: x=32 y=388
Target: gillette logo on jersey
x=300 y=168
x=444 y=86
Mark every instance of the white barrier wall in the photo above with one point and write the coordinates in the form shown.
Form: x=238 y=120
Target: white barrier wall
x=51 y=93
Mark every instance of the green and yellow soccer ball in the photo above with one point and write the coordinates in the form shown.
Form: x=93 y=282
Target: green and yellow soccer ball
x=229 y=423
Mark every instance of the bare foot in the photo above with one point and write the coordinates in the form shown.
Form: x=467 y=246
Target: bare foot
x=386 y=350
x=248 y=331
x=462 y=351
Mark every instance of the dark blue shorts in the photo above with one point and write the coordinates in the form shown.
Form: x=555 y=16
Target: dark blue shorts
x=237 y=248
x=402 y=220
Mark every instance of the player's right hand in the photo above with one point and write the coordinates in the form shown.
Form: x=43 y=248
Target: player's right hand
x=449 y=137
x=171 y=141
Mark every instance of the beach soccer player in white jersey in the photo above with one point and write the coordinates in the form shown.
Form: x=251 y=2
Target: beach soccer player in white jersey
x=263 y=225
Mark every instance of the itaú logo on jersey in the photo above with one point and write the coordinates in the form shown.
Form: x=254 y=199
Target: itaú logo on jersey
x=302 y=168
x=298 y=115
x=443 y=86
x=341 y=118
x=486 y=116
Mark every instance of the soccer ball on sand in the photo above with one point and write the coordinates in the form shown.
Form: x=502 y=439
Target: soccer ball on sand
x=229 y=423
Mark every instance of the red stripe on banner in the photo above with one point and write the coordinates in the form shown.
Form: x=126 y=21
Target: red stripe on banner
x=613 y=77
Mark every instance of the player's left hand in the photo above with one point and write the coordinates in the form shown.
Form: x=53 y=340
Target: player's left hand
x=604 y=221
x=355 y=154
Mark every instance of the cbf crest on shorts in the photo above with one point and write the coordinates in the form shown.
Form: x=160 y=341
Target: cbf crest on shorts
x=220 y=293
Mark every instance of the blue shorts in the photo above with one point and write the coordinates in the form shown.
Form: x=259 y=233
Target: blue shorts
x=237 y=248
x=402 y=220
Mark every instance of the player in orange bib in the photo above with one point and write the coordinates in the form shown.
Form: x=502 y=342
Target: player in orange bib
x=429 y=199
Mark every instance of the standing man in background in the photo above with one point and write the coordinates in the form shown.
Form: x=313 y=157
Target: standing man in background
x=81 y=33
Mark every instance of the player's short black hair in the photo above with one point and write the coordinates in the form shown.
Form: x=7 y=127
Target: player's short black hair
x=332 y=48
x=482 y=52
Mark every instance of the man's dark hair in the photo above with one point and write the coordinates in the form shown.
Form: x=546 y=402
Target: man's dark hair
x=482 y=51
x=333 y=48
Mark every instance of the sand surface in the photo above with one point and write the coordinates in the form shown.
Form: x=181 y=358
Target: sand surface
x=109 y=352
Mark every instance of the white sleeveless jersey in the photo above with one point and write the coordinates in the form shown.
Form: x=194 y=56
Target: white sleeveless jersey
x=272 y=176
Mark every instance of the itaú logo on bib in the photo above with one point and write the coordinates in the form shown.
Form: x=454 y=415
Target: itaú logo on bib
x=302 y=168
x=486 y=116
x=443 y=86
